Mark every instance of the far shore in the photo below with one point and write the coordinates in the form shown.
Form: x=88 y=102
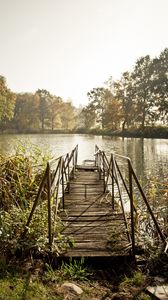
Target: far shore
x=148 y=132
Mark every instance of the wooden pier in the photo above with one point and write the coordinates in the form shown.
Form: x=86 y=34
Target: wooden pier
x=89 y=219
x=95 y=202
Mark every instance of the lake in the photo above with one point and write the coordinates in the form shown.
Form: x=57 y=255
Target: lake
x=148 y=156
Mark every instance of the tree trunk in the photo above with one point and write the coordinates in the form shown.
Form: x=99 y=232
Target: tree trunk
x=123 y=125
x=143 y=118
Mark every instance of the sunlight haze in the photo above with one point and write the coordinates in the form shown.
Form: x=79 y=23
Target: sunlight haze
x=71 y=46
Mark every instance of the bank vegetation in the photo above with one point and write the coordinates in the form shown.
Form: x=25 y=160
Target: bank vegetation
x=134 y=105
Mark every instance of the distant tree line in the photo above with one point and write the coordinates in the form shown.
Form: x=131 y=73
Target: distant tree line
x=31 y=112
x=137 y=100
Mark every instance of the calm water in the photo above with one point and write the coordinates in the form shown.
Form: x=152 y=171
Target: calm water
x=149 y=156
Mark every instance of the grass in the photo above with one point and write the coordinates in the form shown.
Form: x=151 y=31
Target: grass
x=36 y=280
x=24 y=288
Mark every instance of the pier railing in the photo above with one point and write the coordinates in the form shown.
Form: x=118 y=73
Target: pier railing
x=118 y=176
x=54 y=184
x=125 y=181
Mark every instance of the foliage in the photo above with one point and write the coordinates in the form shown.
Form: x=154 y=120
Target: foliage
x=75 y=269
x=138 y=99
x=156 y=192
x=23 y=288
x=137 y=279
x=11 y=227
x=20 y=177
x=7 y=103
x=44 y=99
x=26 y=114
x=158 y=264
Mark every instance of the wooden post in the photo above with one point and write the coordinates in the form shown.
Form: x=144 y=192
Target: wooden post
x=49 y=204
x=131 y=209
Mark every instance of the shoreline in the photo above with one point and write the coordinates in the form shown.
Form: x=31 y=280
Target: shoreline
x=155 y=133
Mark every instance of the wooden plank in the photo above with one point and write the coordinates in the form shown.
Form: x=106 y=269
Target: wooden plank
x=101 y=246
x=91 y=253
x=86 y=167
x=88 y=218
x=82 y=208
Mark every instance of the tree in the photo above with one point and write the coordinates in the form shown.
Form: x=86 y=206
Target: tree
x=160 y=86
x=7 y=102
x=88 y=117
x=67 y=115
x=142 y=79
x=55 y=106
x=113 y=114
x=97 y=101
x=124 y=92
x=44 y=98
x=26 y=112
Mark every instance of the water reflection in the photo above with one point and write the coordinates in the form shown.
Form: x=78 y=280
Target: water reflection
x=149 y=156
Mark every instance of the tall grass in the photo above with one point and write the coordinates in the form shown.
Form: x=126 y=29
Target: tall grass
x=20 y=176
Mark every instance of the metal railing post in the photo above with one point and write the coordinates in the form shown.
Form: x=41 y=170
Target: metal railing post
x=73 y=162
x=68 y=175
x=148 y=206
x=131 y=209
x=49 y=204
x=121 y=201
x=96 y=156
x=76 y=157
x=112 y=178
x=104 y=172
x=62 y=177
x=35 y=203
x=99 y=164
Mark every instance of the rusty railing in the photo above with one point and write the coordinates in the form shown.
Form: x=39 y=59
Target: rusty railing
x=113 y=175
x=54 y=184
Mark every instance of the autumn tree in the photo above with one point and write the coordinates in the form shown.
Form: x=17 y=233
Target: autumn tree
x=55 y=105
x=44 y=99
x=141 y=87
x=113 y=114
x=160 y=86
x=26 y=112
x=67 y=115
x=7 y=103
x=124 y=93
x=88 y=117
x=97 y=101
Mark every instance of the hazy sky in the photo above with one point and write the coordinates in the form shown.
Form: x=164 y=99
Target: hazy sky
x=70 y=46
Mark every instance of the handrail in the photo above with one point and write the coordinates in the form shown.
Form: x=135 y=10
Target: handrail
x=54 y=182
x=114 y=172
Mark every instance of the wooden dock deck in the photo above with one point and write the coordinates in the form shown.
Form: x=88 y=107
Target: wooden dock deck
x=88 y=217
x=90 y=200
